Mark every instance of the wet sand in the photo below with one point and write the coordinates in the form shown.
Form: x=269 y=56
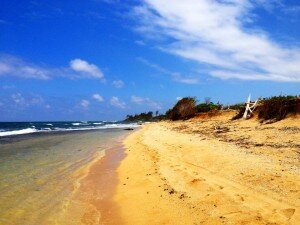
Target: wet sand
x=211 y=171
x=64 y=178
x=98 y=187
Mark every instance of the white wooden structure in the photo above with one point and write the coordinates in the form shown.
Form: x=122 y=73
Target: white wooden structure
x=250 y=106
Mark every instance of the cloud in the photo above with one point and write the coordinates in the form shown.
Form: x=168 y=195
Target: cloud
x=140 y=42
x=10 y=65
x=115 y=101
x=216 y=34
x=147 y=101
x=176 y=76
x=138 y=100
x=118 y=83
x=84 y=104
x=98 y=97
x=19 y=99
x=88 y=69
x=292 y=10
x=18 y=67
x=178 y=98
x=36 y=100
x=269 y=5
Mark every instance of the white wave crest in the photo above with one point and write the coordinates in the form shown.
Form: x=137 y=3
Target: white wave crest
x=17 y=132
x=98 y=123
x=31 y=130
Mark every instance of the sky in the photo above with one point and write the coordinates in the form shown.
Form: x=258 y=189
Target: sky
x=105 y=59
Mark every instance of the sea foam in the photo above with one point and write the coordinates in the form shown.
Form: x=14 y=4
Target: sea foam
x=17 y=132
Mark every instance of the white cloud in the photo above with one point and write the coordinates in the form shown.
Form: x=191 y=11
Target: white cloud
x=10 y=65
x=118 y=83
x=147 y=101
x=90 y=70
x=18 y=98
x=136 y=99
x=213 y=33
x=84 y=104
x=140 y=42
x=115 y=101
x=176 y=76
x=36 y=100
x=178 y=98
x=17 y=67
x=98 y=97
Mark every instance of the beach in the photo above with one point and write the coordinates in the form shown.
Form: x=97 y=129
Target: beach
x=211 y=170
x=206 y=170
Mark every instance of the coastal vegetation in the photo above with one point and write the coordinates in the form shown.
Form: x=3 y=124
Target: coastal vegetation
x=184 y=109
x=145 y=117
x=269 y=109
x=274 y=108
x=278 y=107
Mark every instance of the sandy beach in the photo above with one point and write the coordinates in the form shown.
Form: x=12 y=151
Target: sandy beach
x=211 y=171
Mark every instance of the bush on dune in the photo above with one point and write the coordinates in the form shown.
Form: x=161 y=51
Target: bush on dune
x=183 y=109
x=204 y=107
x=238 y=106
x=274 y=108
x=278 y=107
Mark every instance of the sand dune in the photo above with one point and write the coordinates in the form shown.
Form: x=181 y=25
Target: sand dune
x=211 y=171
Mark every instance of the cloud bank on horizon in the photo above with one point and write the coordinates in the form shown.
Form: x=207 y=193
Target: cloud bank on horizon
x=216 y=35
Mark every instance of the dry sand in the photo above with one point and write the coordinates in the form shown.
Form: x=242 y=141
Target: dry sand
x=211 y=171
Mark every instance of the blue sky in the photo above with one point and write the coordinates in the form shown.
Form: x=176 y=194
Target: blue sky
x=104 y=59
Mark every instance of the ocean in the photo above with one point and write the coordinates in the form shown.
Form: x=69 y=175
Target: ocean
x=19 y=128
x=42 y=165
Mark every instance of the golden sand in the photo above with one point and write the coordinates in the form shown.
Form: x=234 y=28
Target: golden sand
x=211 y=171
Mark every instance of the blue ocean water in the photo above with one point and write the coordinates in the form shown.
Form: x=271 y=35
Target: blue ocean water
x=19 y=128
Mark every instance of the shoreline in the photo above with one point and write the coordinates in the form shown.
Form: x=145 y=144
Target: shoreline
x=198 y=172
x=21 y=137
x=94 y=196
x=54 y=179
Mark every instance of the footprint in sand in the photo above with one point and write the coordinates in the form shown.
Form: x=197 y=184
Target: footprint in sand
x=288 y=212
x=195 y=181
x=241 y=198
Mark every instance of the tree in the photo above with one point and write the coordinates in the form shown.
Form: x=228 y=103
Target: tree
x=183 y=109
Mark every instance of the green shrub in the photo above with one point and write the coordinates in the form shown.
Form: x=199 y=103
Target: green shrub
x=238 y=106
x=278 y=107
x=204 y=107
x=183 y=109
x=145 y=116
